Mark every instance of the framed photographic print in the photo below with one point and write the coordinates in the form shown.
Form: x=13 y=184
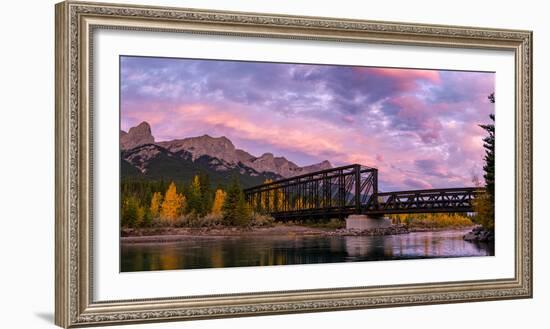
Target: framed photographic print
x=216 y=164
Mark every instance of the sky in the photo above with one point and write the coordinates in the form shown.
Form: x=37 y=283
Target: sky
x=420 y=128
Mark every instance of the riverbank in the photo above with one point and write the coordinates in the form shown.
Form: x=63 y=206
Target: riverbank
x=171 y=234
x=479 y=234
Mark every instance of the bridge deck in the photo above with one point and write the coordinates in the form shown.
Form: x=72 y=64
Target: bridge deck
x=347 y=190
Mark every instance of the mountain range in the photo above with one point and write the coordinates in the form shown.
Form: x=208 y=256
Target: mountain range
x=181 y=159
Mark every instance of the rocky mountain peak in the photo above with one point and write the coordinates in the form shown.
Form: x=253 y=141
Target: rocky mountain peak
x=317 y=167
x=136 y=136
x=219 y=148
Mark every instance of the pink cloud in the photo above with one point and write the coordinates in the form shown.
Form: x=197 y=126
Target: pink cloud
x=417 y=183
x=407 y=74
x=405 y=79
x=153 y=112
x=415 y=115
x=304 y=135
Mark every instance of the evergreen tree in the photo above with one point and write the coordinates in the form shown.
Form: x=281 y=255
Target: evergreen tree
x=230 y=202
x=235 y=209
x=205 y=194
x=485 y=206
x=140 y=216
x=147 y=220
x=195 y=202
x=242 y=211
x=129 y=212
x=162 y=185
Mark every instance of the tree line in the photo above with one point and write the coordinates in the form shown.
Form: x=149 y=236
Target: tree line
x=160 y=203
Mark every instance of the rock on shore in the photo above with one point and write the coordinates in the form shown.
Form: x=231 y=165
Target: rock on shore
x=479 y=234
x=394 y=229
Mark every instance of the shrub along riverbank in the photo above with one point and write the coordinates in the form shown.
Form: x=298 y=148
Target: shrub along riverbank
x=433 y=221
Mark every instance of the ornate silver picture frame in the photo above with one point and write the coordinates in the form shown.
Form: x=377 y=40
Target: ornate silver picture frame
x=76 y=23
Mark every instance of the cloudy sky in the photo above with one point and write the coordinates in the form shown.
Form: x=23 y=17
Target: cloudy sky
x=418 y=127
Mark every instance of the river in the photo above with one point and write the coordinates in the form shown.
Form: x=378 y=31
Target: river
x=231 y=251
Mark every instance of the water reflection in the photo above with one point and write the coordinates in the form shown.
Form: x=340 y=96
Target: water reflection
x=208 y=252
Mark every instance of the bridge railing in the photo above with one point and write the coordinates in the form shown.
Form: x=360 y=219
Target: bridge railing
x=336 y=190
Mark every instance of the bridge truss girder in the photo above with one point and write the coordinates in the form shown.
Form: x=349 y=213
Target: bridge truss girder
x=328 y=191
x=353 y=189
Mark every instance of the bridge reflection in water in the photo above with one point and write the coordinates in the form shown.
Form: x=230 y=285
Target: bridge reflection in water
x=347 y=190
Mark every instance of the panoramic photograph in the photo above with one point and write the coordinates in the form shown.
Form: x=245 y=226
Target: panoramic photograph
x=238 y=163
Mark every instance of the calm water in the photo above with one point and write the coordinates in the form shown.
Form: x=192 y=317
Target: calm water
x=207 y=252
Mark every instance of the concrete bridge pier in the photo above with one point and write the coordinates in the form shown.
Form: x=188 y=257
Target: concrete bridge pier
x=365 y=222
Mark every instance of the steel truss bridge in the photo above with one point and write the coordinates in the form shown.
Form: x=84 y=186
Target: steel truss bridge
x=348 y=190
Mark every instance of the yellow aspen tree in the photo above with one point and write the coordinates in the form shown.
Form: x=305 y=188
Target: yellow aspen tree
x=298 y=204
x=266 y=197
x=271 y=198
x=219 y=199
x=483 y=207
x=173 y=204
x=156 y=202
x=280 y=199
